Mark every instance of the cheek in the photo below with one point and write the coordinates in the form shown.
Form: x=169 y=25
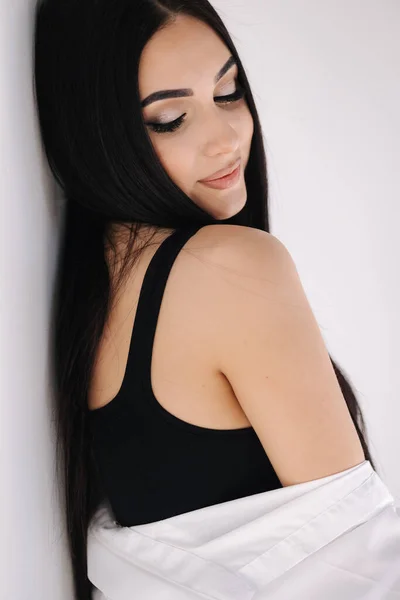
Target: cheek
x=175 y=157
x=247 y=126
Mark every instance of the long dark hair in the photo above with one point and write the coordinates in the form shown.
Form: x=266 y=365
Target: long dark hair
x=87 y=55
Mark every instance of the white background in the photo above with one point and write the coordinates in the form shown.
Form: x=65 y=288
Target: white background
x=326 y=80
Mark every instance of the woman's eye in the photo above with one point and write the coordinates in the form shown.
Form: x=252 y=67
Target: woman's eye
x=238 y=94
x=166 y=127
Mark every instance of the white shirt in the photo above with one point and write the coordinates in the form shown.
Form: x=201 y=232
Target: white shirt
x=334 y=538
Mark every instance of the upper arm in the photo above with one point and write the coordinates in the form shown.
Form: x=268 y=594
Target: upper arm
x=271 y=350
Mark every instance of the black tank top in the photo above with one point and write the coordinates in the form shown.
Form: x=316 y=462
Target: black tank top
x=152 y=465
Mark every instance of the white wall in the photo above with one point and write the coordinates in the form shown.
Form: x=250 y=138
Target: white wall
x=33 y=563
x=325 y=79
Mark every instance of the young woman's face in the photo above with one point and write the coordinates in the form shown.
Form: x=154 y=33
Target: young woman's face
x=212 y=127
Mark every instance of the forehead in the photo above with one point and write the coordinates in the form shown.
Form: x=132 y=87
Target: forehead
x=183 y=52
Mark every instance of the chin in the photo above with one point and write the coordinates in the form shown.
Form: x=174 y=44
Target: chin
x=233 y=209
x=223 y=208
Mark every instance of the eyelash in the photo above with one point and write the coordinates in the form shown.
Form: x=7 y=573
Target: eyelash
x=174 y=125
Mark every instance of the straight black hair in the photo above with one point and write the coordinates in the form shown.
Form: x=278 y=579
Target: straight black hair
x=87 y=56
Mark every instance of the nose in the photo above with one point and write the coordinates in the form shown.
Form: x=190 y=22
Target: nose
x=221 y=137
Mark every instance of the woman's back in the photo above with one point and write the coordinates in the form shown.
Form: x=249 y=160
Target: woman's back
x=177 y=440
x=185 y=378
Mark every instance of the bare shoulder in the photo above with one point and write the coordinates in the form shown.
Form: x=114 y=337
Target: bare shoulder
x=244 y=261
x=269 y=346
x=236 y=236
x=241 y=271
x=238 y=246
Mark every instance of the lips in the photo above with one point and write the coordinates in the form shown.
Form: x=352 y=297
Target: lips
x=223 y=172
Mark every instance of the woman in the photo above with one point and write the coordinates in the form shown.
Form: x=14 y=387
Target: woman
x=237 y=393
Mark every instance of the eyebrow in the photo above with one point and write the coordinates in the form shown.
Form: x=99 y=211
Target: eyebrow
x=163 y=94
